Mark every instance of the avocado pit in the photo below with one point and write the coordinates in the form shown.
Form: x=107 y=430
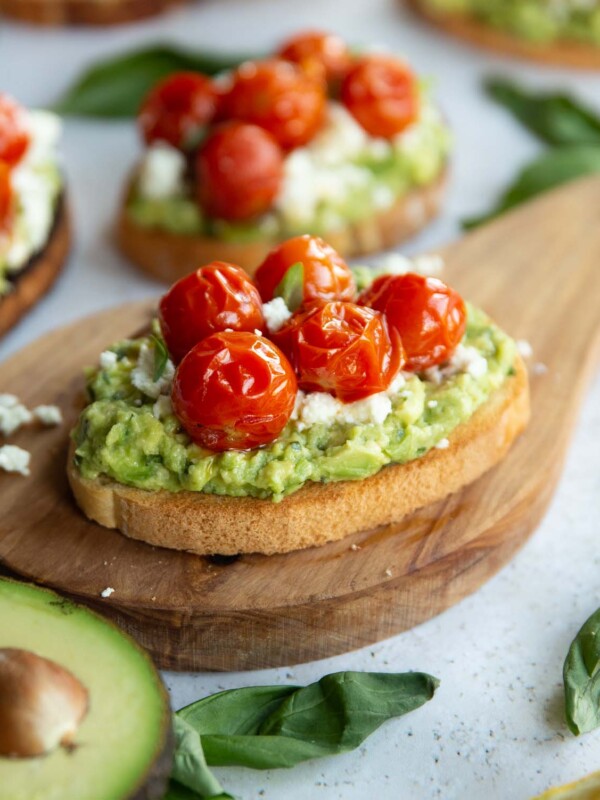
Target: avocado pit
x=41 y=704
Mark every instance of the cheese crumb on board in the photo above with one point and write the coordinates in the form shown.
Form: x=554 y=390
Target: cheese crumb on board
x=13 y=414
x=48 y=415
x=14 y=459
x=107 y=592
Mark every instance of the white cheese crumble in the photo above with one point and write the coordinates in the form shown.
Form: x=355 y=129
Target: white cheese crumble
x=163 y=407
x=321 y=408
x=465 y=359
x=524 y=349
x=48 y=415
x=142 y=376
x=108 y=359
x=432 y=403
x=276 y=314
x=13 y=414
x=162 y=172
x=539 y=368
x=107 y=592
x=443 y=444
x=14 y=459
x=431 y=265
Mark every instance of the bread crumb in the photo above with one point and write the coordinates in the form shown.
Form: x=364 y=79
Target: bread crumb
x=107 y=592
x=524 y=348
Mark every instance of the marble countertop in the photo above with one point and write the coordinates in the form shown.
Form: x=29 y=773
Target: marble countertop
x=495 y=729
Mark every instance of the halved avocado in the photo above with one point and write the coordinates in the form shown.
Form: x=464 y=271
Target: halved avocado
x=121 y=745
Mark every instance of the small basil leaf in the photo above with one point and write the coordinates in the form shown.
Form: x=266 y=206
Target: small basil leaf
x=291 y=287
x=189 y=764
x=581 y=676
x=114 y=88
x=558 y=166
x=161 y=357
x=556 y=118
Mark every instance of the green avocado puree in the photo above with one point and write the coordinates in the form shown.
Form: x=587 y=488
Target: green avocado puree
x=537 y=20
x=118 y=435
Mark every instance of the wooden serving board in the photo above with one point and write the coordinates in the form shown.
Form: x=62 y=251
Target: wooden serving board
x=536 y=270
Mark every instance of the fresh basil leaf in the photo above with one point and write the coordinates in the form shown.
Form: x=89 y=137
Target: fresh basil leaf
x=189 y=764
x=581 y=676
x=557 y=166
x=291 y=287
x=268 y=727
x=556 y=118
x=161 y=356
x=114 y=88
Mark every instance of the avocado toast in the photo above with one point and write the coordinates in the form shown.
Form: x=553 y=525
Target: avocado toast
x=325 y=449
x=84 y=12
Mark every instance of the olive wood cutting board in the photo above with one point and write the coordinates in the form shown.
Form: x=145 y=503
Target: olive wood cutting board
x=536 y=270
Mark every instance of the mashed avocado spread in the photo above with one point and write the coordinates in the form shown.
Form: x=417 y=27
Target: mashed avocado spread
x=128 y=433
x=537 y=20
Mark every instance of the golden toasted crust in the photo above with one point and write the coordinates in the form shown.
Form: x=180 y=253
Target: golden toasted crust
x=168 y=256
x=83 y=12
x=563 y=52
x=40 y=274
x=317 y=513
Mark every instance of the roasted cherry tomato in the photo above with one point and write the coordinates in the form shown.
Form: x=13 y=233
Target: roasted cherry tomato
x=381 y=93
x=325 y=51
x=239 y=170
x=177 y=108
x=278 y=96
x=5 y=196
x=14 y=138
x=234 y=391
x=429 y=316
x=326 y=274
x=211 y=299
x=341 y=348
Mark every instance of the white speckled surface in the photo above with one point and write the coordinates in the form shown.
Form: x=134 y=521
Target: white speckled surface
x=495 y=729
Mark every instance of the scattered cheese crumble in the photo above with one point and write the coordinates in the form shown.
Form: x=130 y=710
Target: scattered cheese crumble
x=431 y=265
x=107 y=592
x=142 y=376
x=465 y=359
x=163 y=407
x=443 y=444
x=14 y=459
x=108 y=359
x=524 y=349
x=162 y=172
x=48 y=415
x=276 y=314
x=13 y=414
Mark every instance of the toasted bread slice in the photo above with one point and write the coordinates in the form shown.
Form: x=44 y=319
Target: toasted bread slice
x=36 y=278
x=168 y=256
x=83 y=12
x=317 y=513
x=568 y=53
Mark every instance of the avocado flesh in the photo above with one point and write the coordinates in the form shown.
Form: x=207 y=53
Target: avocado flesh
x=127 y=725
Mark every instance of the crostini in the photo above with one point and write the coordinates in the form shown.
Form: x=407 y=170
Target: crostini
x=563 y=32
x=34 y=223
x=285 y=412
x=315 y=140
x=84 y=12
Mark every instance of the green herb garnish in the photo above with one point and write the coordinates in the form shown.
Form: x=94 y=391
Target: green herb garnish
x=581 y=676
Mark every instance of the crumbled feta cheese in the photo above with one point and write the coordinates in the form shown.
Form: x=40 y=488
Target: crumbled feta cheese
x=108 y=359
x=524 y=349
x=163 y=407
x=431 y=265
x=14 y=459
x=162 y=172
x=142 y=376
x=48 y=415
x=397 y=384
x=355 y=547
x=13 y=414
x=432 y=403
x=388 y=573
x=107 y=592
x=465 y=359
x=276 y=314
x=317 y=408
x=443 y=444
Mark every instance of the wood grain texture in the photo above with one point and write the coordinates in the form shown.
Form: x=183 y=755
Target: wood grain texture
x=564 y=52
x=84 y=12
x=169 y=256
x=39 y=275
x=535 y=270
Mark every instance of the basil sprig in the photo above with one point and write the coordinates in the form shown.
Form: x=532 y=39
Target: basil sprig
x=161 y=356
x=581 y=676
x=267 y=727
x=291 y=286
x=559 y=120
x=114 y=88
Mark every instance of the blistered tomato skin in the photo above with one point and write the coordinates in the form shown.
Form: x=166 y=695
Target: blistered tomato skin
x=326 y=275
x=14 y=137
x=381 y=92
x=429 y=316
x=343 y=349
x=234 y=391
x=239 y=170
x=5 y=197
x=279 y=97
x=211 y=299
x=325 y=51
x=177 y=109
